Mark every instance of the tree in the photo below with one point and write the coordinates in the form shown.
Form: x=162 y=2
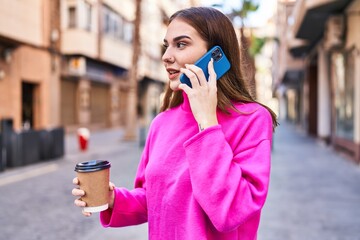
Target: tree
x=257 y=43
x=251 y=45
x=131 y=120
x=248 y=63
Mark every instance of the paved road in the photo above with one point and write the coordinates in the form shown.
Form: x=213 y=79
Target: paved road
x=36 y=201
x=314 y=193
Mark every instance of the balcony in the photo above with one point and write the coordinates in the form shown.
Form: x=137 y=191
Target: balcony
x=24 y=21
x=116 y=52
x=79 y=41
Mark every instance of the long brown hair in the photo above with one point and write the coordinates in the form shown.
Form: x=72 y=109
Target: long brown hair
x=216 y=29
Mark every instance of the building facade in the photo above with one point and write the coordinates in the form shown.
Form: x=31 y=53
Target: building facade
x=29 y=86
x=66 y=62
x=96 y=50
x=325 y=39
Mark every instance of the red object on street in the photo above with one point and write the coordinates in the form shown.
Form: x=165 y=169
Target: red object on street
x=83 y=136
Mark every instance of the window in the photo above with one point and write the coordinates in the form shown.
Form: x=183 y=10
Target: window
x=87 y=16
x=343 y=85
x=115 y=26
x=80 y=16
x=72 y=17
x=128 y=31
x=108 y=21
x=106 y=28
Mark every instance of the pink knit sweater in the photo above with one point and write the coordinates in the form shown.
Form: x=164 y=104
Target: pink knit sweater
x=193 y=185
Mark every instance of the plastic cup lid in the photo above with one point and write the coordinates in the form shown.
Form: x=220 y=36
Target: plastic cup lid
x=92 y=166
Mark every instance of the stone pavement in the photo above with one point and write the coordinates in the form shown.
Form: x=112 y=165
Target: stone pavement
x=36 y=201
x=108 y=143
x=314 y=191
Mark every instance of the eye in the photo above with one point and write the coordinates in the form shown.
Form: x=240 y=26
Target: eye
x=165 y=46
x=180 y=44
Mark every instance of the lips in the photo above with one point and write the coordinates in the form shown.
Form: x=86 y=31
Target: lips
x=173 y=73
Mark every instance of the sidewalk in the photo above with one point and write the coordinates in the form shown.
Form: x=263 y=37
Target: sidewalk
x=99 y=141
x=102 y=142
x=110 y=143
x=314 y=191
x=44 y=190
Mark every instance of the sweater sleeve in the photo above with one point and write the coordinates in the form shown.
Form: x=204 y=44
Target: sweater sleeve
x=130 y=206
x=230 y=183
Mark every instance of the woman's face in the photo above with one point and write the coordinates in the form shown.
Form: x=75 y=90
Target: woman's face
x=183 y=46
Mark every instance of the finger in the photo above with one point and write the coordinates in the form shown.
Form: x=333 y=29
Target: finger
x=192 y=76
x=76 y=181
x=185 y=88
x=86 y=214
x=212 y=73
x=79 y=203
x=78 y=192
x=198 y=72
x=111 y=186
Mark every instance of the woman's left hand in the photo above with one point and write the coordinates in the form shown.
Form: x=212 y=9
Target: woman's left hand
x=203 y=94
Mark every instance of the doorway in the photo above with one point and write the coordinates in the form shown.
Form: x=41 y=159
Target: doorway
x=313 y=97
x=27 y=111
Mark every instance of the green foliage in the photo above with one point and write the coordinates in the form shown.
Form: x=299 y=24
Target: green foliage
x=257 y=43
x=247 y=7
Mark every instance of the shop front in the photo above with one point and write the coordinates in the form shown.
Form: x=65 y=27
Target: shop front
x=344 y=106
x=90 y=93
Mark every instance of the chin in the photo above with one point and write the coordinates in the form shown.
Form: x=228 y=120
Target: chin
x=175 y=85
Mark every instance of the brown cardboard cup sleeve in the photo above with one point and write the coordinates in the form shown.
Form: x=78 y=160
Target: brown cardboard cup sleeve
x=94 y=179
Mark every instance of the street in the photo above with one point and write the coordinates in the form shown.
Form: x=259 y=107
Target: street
x=314 y=192
x=40 y=205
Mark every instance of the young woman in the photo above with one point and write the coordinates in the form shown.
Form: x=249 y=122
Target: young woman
x=204 y=171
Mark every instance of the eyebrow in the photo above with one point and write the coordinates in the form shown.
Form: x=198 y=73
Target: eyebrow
x=178 y=38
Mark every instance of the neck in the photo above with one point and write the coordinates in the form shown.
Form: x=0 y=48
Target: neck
x=186 y=104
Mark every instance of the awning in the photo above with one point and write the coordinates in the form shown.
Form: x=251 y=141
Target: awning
x=297 y=47
x=313 y=23
x=293 y=78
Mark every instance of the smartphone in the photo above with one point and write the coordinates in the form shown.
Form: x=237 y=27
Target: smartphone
x=221 y=64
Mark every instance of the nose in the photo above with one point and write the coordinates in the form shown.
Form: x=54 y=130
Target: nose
x=168 y=56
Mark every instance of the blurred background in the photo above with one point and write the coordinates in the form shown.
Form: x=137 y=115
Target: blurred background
x=94 y=66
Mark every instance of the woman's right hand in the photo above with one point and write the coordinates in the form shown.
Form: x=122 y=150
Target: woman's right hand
x=203 y=94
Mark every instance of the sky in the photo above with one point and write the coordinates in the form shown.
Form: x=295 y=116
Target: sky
x=256 y=19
